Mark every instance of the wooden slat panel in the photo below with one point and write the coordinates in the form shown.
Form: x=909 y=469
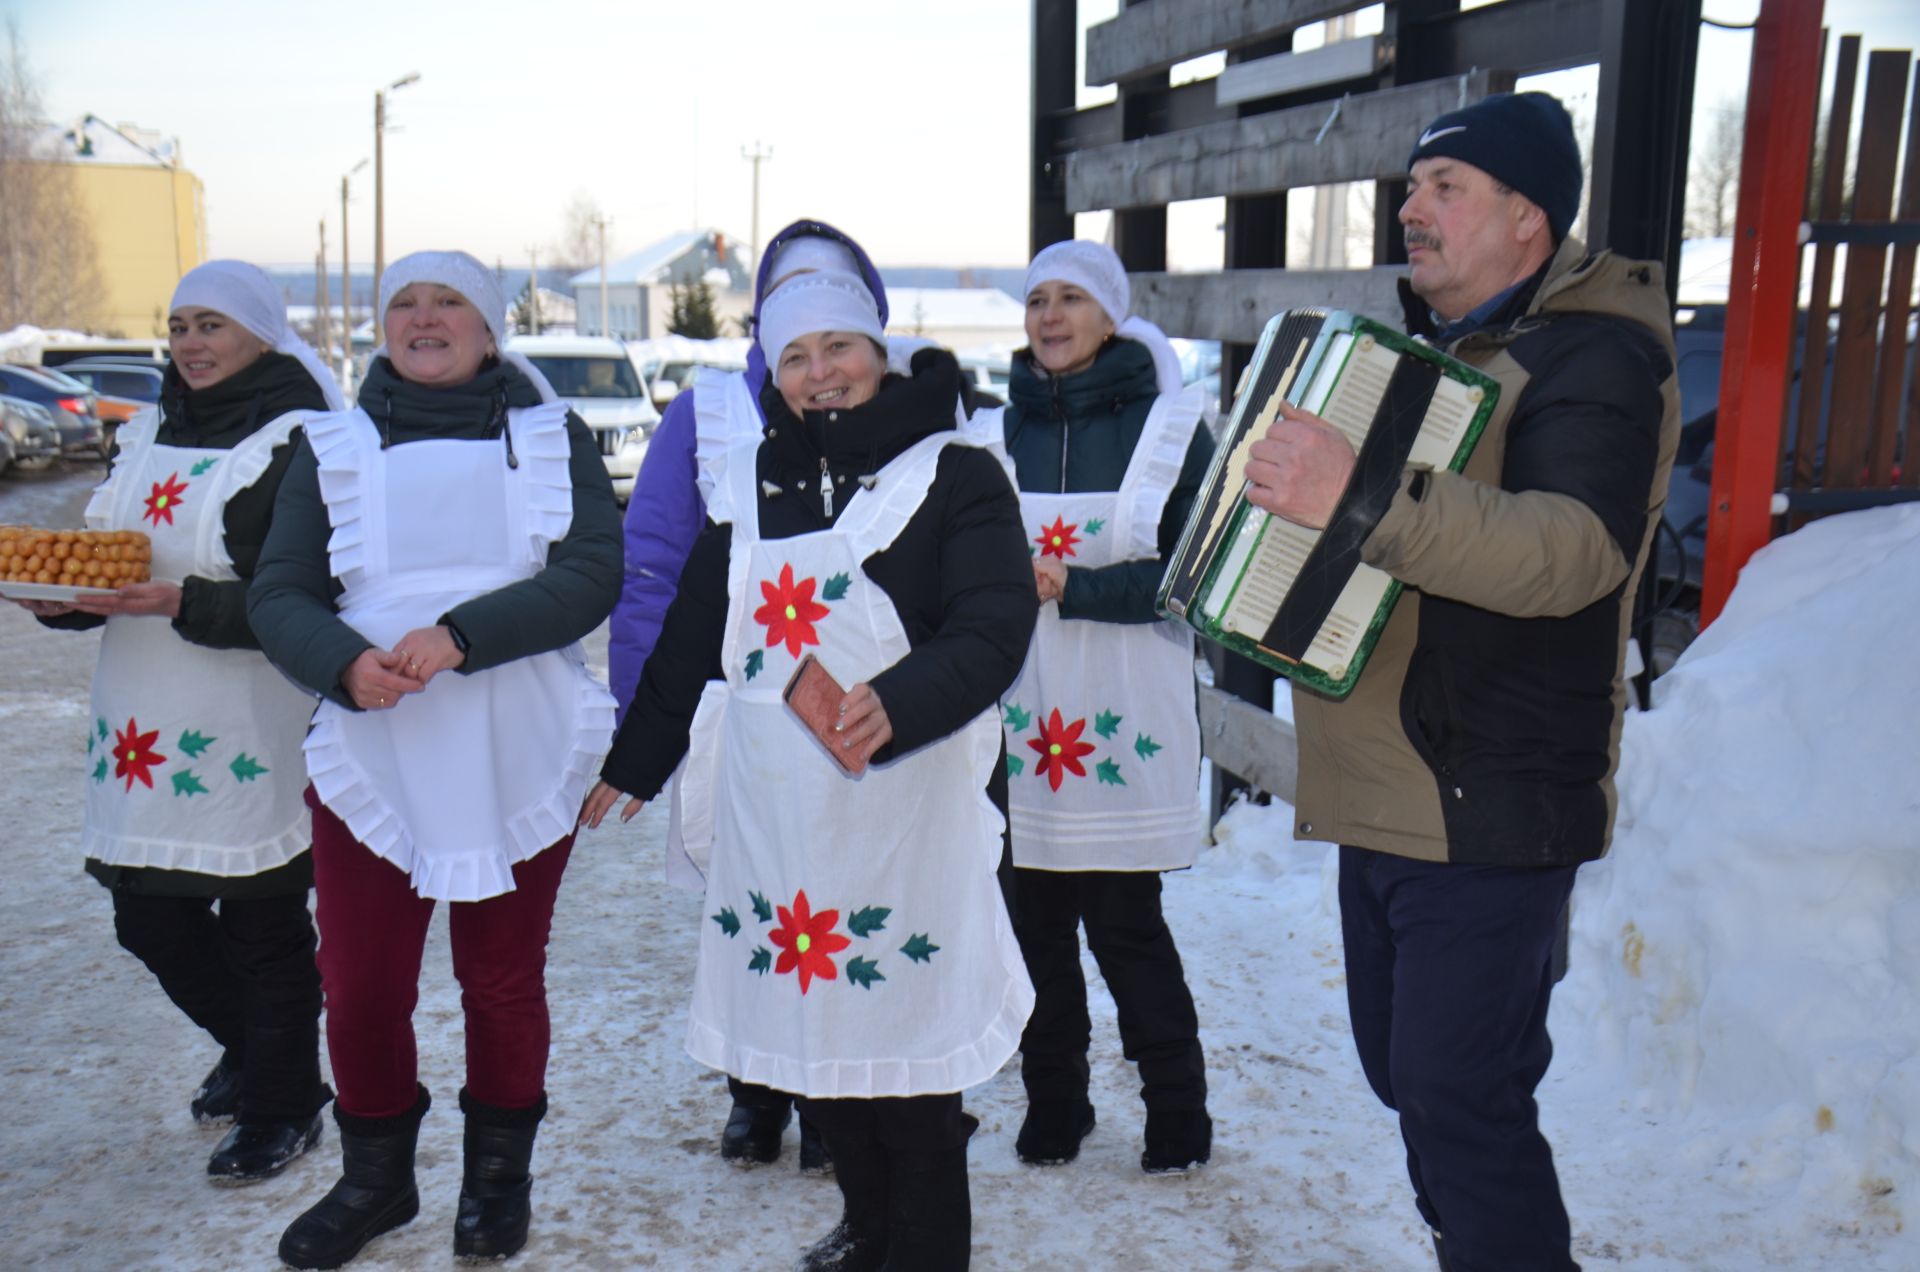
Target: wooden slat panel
x=1893 y=332
x=1265 y=154
x=1254 y=745
x=1147 y=38
x=1806 y=440
x=1234 y=306
x=1292 y=72
x=1858 y=341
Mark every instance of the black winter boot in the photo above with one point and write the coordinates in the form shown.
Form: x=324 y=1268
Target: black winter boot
x=858 y=1243
x=375 y=1193
x=253 y=1151
x=496 y=1190
x=929 y=1213
x=753 y=1134
x=218 y=1098
x=815 y=1157
x=1440 y=1252
x=1052 y=1131
x=1178 y=1140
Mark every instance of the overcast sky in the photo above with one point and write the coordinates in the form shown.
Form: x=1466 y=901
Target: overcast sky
x=904 y=121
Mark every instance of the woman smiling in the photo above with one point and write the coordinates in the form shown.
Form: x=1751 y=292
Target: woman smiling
x=437 y=555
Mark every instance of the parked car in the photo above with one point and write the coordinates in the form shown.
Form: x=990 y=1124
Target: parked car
x=111 y=377
x=669 y=364
x=603 y=386
x=75 y=406
x=28 y=435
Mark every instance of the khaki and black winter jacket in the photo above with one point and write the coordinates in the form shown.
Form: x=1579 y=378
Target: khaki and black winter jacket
x=1486 y=727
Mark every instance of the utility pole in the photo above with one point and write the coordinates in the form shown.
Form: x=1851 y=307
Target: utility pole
x=756 y=157
x=600 y=223
x=323 y=300
x=346 y=300
x=379 y=177
x=533 y=291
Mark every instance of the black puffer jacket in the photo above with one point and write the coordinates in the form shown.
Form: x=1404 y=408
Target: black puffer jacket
x=958 y=574
x=214 y=612
x=1078 y=432
x=292 y=599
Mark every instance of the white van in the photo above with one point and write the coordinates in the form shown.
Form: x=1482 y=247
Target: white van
x=602 y=385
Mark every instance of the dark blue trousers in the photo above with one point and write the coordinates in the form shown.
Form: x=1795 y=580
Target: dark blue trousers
x=1447 y=988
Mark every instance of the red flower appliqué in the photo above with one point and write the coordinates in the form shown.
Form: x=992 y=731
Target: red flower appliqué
x=790 y=612
x=164 y=499
x=806 y=941
x=133 y=754
x=1058 y=539
x=1060 y=749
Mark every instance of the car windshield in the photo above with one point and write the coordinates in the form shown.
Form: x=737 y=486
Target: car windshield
x=61 y=380
x=588 y=375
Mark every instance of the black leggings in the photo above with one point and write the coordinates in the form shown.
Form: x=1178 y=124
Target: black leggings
x=247 y=976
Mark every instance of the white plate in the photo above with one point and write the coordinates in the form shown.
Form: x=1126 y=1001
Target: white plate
x=48 y=591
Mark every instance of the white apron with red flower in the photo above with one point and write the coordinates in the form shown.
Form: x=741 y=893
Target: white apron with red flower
x=193 y=754
x=456 y=784
x=1103 y=745
x=856 y=942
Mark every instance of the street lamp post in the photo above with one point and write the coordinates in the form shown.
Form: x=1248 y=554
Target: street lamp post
x=346 y=289
x=379 y=174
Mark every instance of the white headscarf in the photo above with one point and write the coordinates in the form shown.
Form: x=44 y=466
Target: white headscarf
x=826 y=300
x=471 y=279
x=810 y=251
x=1095 y=269
x=246 y=295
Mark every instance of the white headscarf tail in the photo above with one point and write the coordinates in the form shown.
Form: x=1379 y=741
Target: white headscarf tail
x=245 y=294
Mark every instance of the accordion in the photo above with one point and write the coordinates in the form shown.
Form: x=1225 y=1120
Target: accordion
x=1297 y=600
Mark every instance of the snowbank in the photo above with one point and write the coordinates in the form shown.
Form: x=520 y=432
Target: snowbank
x=1746 y=962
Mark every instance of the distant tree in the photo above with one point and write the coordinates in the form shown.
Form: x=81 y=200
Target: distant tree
x=525 y=311
x=49 y=262
x=578 y=246
x=691 y=311
x=1713 y=186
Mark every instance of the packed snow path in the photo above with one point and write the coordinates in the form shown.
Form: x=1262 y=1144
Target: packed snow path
x=101 y=1167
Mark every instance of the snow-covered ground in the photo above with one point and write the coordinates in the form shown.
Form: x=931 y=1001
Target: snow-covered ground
x=1736 y=1084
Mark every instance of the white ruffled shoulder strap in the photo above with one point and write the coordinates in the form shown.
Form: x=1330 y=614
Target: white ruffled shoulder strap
x=1155 y=467
x=133 y=438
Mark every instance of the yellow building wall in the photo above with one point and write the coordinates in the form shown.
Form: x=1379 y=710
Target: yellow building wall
x=149 y=224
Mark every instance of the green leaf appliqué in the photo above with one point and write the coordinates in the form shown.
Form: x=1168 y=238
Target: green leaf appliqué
x=203 y=465
x=1094 y=526
x=1015 y=765
x=185 y=783
x=1145 y=747
x=193 y=742
x=762 y=960
x=868 y=919
x=835 y=588
x=100 y=770
x=761 y=910
x=754 y=662
x=919 y=948
x=245 y=768
x=729 y=921
x=863 y=972
x=1018 y=718
x=1108 y=771
x=1105 y=724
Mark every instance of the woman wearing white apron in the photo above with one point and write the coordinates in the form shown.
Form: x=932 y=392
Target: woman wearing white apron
x=437 y=554
x=859 y=953
x=664 y=517
x=1102 y=738
x=192 y=765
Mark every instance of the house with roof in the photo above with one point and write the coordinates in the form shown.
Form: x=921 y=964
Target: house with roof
x=638 y=287
x=147 y=210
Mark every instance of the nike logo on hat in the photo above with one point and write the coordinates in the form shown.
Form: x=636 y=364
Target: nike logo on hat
x=1427 y=138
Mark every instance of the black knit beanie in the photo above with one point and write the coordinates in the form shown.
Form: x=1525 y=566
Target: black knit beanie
x=1524 y=140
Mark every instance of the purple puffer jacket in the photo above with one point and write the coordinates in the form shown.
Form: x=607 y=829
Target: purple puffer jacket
x=665 y=514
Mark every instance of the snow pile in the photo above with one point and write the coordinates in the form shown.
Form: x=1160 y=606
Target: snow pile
x=24 y=343
x=1746 y=962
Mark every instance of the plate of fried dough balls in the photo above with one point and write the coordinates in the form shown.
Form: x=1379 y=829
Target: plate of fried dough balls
x=59 y=565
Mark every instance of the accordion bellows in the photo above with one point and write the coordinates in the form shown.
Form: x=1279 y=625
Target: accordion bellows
x=1297 y=600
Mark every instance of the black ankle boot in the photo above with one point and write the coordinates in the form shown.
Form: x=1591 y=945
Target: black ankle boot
x=929 y=1212
x=375 y=1193
x=1178 y=1140
x=858 y=1243
x=496 y=1191
x=253 y=1151
x=218 y=1098
x=753 y=1134
x=1052 y=1131
x=815 y=1157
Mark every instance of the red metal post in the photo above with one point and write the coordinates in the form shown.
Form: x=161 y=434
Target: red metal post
x=1757 y=362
